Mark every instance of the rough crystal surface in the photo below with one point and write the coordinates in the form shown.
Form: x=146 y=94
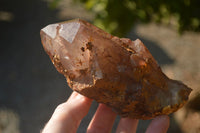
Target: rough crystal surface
x=115 y=71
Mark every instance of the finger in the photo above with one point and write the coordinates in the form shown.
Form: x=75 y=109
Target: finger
x=127 y=125
x=102 y=121
x=68 y=115
x=159 y=125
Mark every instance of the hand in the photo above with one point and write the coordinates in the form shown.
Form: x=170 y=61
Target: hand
x=68 y=116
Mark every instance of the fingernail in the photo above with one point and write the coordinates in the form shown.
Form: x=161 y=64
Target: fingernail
x=73 y=95
x=79 y=96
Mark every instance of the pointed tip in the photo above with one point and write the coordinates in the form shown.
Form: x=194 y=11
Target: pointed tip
x=69 y=30
x=50 y=30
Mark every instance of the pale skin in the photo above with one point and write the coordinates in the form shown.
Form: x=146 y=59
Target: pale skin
x=67 y=117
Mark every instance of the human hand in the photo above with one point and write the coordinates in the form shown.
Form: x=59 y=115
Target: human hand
x=68 y=116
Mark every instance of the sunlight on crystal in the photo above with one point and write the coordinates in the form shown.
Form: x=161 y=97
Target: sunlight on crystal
x=66 y=57
x=68 y=31
x=51 y=30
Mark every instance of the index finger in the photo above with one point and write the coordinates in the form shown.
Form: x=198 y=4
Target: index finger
x=68 y=115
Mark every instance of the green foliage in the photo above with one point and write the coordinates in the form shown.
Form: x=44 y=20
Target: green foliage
x=118 y=16
x=53 y=4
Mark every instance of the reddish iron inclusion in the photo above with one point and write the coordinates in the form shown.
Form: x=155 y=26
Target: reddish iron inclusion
x=115 y=71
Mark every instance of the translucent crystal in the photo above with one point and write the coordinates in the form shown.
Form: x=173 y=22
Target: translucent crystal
x=115 y=71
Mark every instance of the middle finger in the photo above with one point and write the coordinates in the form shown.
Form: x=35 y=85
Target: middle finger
x=102 y=121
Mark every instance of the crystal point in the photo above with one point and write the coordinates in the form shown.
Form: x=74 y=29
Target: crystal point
x=115 y=71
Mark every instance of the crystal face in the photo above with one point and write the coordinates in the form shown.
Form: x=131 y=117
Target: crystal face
x=115 y=71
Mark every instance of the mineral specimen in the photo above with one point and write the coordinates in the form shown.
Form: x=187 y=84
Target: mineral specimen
x=115 y=71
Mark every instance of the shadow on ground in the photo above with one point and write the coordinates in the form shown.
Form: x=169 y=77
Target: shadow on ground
x=30 y=85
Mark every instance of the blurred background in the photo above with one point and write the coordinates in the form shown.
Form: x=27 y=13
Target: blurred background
x=30 y=86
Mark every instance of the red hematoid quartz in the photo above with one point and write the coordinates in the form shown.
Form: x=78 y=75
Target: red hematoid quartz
x=115 y=71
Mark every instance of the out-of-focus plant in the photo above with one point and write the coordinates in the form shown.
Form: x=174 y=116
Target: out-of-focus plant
x=53 y=4
x=118 y=16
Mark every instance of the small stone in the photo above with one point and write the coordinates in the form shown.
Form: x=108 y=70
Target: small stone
x=115 y=71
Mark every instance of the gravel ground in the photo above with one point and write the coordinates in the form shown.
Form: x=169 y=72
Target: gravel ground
x=31 y=88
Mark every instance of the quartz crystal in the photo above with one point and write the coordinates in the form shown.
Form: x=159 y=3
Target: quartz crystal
x=115 y=71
